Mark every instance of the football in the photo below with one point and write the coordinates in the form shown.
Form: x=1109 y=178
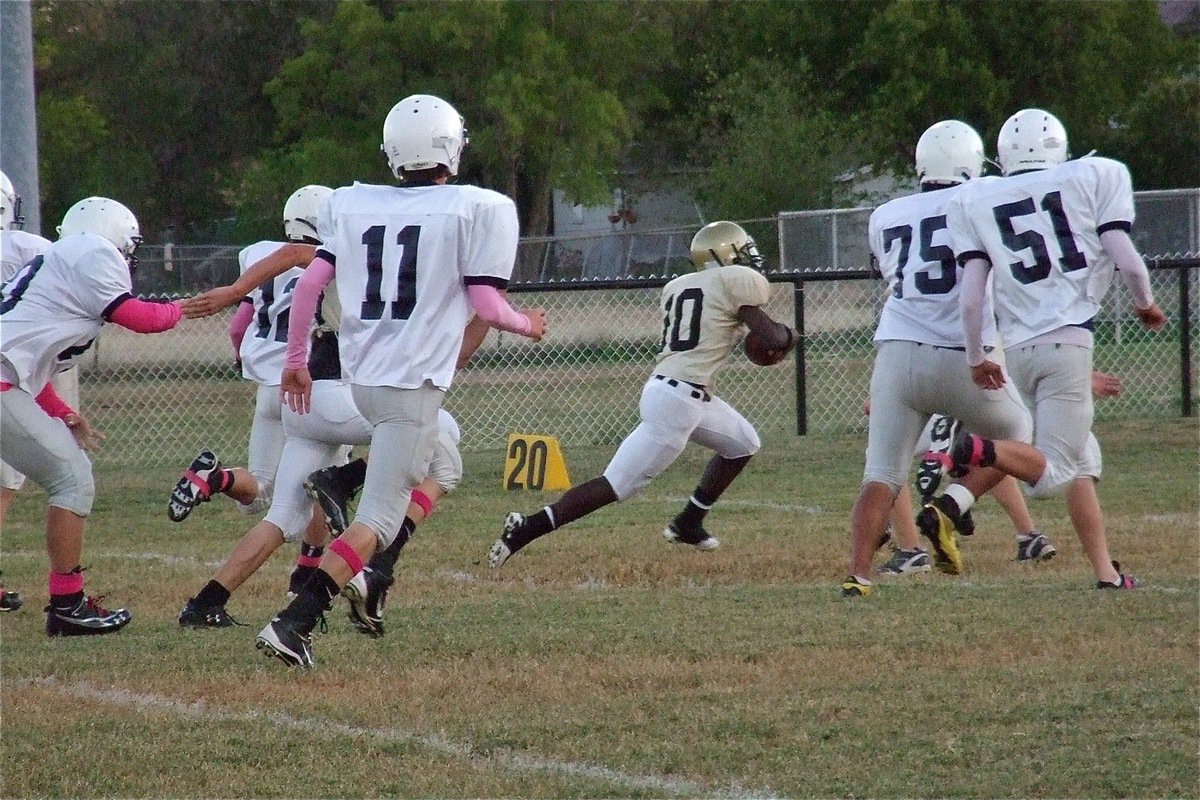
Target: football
x=759 y=353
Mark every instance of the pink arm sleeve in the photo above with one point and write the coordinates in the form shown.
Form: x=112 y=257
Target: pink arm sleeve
x=970 y=303
x=144 y=316
x=493 y=308
x=304 y=310
x=1129 y=263
x=52 y=404
x=238 y=326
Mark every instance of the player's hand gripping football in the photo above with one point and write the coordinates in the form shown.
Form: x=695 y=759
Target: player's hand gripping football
x=295 y=388
x=88 y=437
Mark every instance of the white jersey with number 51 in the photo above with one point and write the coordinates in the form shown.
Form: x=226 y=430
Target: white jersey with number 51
x=403 y=257
x=1041 y=231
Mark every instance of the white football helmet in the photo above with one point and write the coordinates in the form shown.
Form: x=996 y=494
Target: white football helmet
x=107 y=218
x=10 y=206
x=422 y=131
x=949 y=152
x=1031 y=139
x=725 y=243
x=300 y=212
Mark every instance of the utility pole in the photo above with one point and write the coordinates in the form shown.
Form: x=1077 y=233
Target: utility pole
x=18 y=112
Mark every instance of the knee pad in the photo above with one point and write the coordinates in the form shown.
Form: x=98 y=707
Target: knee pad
x=290 y=528
x=260 y=504
x=292 y=521
x=893 y=482
x=744 y=444
x=73 y=488
x=627 y=486
x=10 y=478
x=1091 y=465
x=1054 y=481
x=446 y=469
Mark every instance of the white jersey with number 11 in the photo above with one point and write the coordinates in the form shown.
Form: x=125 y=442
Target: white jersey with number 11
x=403 y=257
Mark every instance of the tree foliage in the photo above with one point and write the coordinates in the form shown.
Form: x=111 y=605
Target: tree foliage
x=1088 y=63
x=194 y=112
x=171 y=95
x=548 y=104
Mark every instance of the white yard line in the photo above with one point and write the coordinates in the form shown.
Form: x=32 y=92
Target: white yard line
x=504 y=759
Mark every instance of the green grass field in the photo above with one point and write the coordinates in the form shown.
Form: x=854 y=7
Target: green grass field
x=603 y=662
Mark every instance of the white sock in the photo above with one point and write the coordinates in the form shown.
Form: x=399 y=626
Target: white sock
x=961 y=496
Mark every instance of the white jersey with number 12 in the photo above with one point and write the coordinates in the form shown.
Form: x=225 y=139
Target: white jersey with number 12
x=264 y=347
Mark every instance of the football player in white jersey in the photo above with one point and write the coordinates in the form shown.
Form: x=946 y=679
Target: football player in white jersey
x=411 y=262
x=17 y=248
x=704 y=315
x=918 y=370
x=1049 y=235
x=259 y=332
x=333 y=421
x=51 y=312
x=314 y=441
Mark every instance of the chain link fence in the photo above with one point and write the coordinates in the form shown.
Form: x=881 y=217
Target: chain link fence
x=162 y=397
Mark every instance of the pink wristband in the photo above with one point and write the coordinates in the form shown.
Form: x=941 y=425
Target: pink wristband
x=52 y=404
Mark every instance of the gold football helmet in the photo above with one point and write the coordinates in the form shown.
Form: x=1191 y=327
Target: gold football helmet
x=725 y=243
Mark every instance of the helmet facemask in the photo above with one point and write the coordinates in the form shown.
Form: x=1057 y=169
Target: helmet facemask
x=11 y=218
x=134 y=243
x=748 y=256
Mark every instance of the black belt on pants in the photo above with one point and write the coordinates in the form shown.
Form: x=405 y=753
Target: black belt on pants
x=986 y=349
x=698 y=392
